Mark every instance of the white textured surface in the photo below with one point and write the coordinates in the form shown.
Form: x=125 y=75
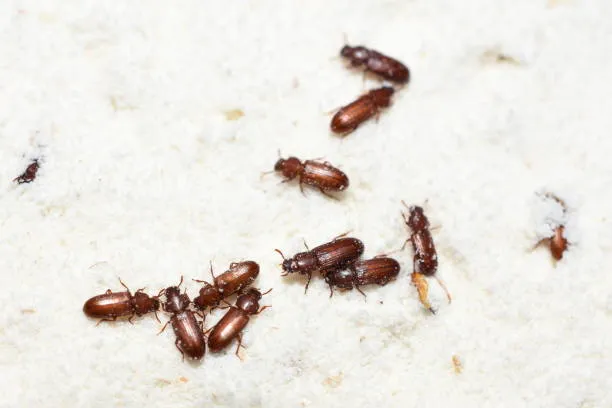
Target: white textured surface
x=142 y=171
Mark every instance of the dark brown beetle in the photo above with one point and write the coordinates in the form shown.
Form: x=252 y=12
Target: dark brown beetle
x=337 y=254
x=425 y=259
x=376 y=63
x=189 y=336
x=557 y=243
x=109 y=306
x=29 y=174
x=239 y=276
x=349 y=117
x=235 y=319
x=323 y=176
x=379 y=270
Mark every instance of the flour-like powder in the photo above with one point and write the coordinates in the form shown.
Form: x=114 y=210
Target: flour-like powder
x=153 y=122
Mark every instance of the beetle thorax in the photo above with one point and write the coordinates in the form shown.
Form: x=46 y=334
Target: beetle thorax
x=249 y=302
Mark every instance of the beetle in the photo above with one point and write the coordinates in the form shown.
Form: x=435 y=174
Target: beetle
x=557 y=243
x=376 y=63
x=379 y=270
x=189 y=336
x=110 y=305
x=321 y=175
x=236 y=278
x=29 y=174
x=235 y=319
x=349 y=117
x=337 y=254
x=425 y=259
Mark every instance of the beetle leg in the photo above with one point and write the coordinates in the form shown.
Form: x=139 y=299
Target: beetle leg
x=163 y=328
x=444 y=287
x=327 y=194
x=361 y=291
x=306 y=245
x=212 y=273
x=130 y=319
x=107 y=320
x=308 y=282
x=262 y=309
x=331 y=290
x=302 y=187
x=543 y=241
x=239 y=345
x=342 y=235
x=123 y=284
x=157 y=317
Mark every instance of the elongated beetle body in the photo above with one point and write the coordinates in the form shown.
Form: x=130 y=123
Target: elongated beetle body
x=337 y=254
x=380 y=271
x=235 y=320
x=376 y=63
x=29 y=174
x=557 y=243
x=189 y=336
x=236 y=278
x=349 y=117
x=111 y=305
x=321 y=175
x=425 y=259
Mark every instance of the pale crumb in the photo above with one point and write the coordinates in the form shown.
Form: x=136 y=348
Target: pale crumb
x=119 y=104
x=183 y=379
x=457 y=366
x=28 y=311
x=233 y=114
x=162 y=382
x=334 y=381
x=498 y=57
x=419 y=281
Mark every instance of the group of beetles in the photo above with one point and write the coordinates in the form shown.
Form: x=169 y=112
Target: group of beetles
x=190 y=335
x=338 y=260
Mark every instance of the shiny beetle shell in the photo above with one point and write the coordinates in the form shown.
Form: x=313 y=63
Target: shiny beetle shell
x=227 y=329
x=239 y=276
x=425 y=256
x=109 y=305
x=338 y=253
x=321 y=175
x=379 y=270
x=324 y=176
x=189 y=337
x=234 y=321
x=349 y=117
x=112 y=305
x=376 y=63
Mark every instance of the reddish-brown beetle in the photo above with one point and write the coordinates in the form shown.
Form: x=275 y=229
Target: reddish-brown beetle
x=376 y=63
x=321 y=175
x=29 y=174
x=425 y=259
x=557 y=243
x=235 y=319
x=349 y=117
x=239 y=276
x=379 y=270
x=337 y=254
x=189 y=336
x=109 y=306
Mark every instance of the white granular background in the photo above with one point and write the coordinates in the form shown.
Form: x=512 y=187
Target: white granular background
x=147 y=174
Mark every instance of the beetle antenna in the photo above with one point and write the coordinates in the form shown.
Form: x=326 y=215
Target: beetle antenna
x=281 y=254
